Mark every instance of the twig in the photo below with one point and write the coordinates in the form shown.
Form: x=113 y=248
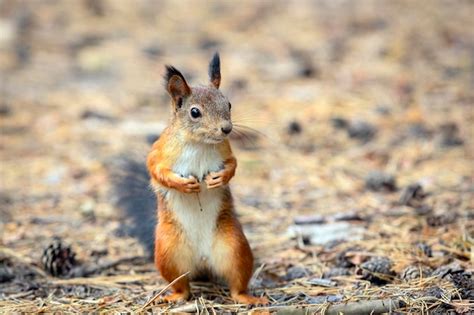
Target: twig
x=163 y=290
x=361 y=307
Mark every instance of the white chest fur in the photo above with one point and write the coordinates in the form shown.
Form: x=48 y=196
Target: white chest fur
x=199 y=226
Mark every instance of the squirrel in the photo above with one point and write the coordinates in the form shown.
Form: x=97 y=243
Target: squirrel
x=190 y=166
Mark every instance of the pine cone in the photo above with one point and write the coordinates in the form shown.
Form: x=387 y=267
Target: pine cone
x=441 y=219
x=465 y=284
x=337 y=272
x=415 y=272
x=377 y=270
x=58 y=258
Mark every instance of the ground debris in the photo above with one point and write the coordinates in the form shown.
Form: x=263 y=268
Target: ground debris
x=379 y=181
x=82 y=100
x=377 y=270
x=58 y=258
x=414 y=272
x=412 y=195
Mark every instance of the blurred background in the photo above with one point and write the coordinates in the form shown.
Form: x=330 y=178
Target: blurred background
x=353 y=103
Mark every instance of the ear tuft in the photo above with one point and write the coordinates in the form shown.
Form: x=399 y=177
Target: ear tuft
x=215 y=70
x=176 y=85
x=170 y=72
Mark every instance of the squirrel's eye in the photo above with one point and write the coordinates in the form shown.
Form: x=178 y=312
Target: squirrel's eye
x=195 y=112
x=230 y=106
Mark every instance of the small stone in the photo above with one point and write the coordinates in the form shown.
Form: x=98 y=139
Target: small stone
x=339 y=123
x=5 y=110
x=449 y=135
x=6 y=274
x=294 y=128
x=378 y=181
x=296 y=272
x=361 y=130
x=308 y=70
x=412 y=195
x=152 y=51
x=420 y=131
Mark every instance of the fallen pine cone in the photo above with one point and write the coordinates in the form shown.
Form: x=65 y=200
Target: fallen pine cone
x=415 y=272
x=377 y=270
x=58 y=258
x=337 y=272
x=440 y=220
x=465 y=284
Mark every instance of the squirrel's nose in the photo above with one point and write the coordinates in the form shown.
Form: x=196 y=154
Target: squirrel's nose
x=227 y=128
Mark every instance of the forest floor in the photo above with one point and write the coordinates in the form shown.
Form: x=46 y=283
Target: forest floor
x=357 y=188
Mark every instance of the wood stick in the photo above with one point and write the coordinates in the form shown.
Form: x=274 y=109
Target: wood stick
x=361 y=307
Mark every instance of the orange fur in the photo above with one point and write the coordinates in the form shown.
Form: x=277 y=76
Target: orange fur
x=233 y=255
x=168 y=247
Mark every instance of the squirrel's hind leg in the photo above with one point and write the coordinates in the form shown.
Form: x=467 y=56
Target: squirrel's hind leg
x=172 y=258
x=232 y=259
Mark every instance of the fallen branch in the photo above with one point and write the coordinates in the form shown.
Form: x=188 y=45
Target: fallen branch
x=361 y=307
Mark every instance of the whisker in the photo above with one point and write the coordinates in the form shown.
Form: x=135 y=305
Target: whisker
x=244 y=138
x=251 y=130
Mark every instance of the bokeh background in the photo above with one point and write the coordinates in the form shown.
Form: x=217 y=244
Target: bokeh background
x=351 y=102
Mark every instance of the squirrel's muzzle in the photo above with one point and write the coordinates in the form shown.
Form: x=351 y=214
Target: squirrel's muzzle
x=226 y=128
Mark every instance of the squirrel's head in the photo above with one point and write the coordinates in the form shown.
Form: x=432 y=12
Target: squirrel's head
x=202 y=112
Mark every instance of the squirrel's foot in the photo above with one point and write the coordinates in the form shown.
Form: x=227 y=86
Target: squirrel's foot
x=176 y=297
x=244 y=298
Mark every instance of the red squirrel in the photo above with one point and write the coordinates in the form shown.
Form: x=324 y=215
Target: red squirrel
x=190 y=166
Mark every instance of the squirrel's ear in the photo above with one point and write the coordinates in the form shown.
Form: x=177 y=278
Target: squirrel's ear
x=176 y=86
x=215 y=70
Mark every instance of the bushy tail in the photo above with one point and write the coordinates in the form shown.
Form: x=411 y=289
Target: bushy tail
x=132 y=194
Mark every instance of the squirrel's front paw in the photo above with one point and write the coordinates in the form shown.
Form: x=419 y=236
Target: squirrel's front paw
x=216 y=179
x=188 y=185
